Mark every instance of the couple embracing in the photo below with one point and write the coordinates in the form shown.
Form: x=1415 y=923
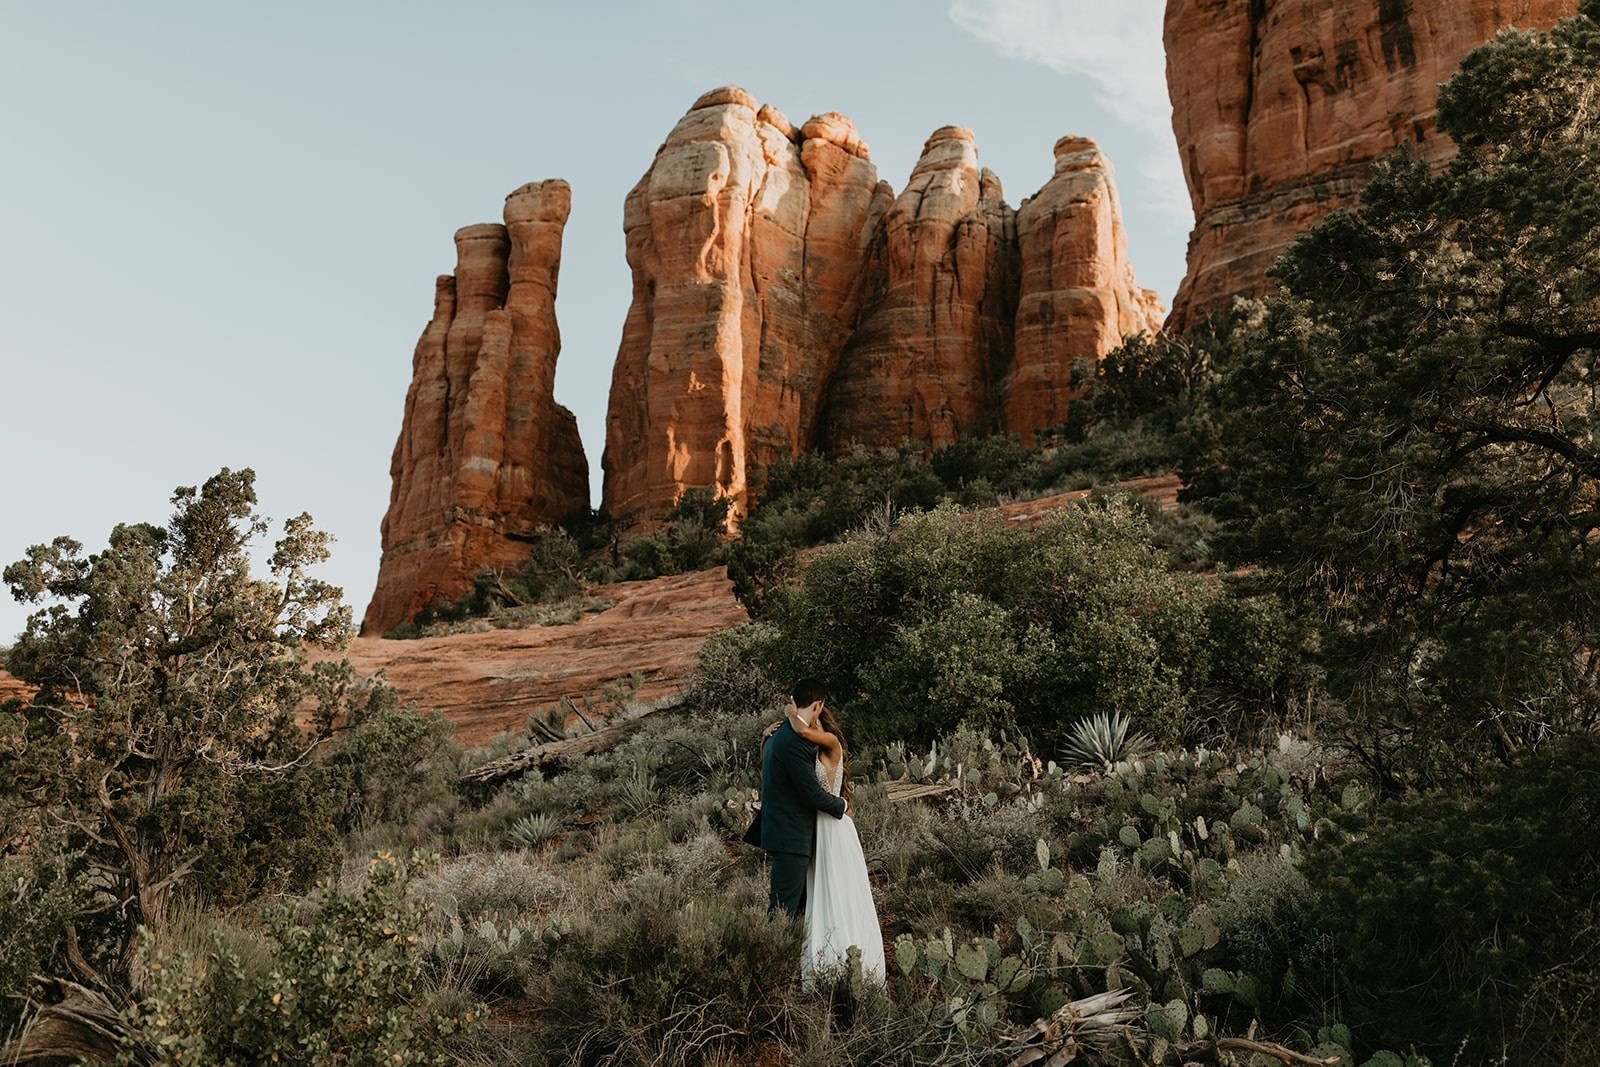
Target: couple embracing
x=818 y=869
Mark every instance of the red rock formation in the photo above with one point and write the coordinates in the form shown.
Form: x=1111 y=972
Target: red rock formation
x=745 y=240
x=1279 y=107
x=485 y=455
x=784 y=299
x=937 y=325
x=1078 y=295
x=488 y=683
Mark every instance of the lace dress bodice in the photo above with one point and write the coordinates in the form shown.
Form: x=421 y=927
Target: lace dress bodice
x=837 y=783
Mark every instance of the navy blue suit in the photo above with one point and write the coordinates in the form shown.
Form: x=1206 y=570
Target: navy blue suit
x=790 y=798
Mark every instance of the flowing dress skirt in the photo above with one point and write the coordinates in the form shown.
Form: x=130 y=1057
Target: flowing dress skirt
x=839 y=907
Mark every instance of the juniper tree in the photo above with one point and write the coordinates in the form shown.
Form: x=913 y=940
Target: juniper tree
x=1409 y=443
x=160 y=744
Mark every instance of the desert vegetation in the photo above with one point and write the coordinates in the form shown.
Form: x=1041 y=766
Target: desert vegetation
x=1306 y=773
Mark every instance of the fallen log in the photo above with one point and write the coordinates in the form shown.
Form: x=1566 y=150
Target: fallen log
x=898 y=791
x=1213 y=1049
x=520 y=763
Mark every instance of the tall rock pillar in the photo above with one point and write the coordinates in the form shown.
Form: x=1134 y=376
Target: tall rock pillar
x=744 y=238
x=1078 y=294
x=937 y=318
x=485 y=456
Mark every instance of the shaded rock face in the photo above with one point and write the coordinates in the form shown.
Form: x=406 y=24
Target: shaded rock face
x=1280 y=106
x=937 y=326
x=784 y=299
x=485 y=455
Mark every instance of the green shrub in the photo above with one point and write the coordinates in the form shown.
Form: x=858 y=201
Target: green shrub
x=757 y=569
x=953 y=619
x=38 y=899
x=728 y=674
x=1464 y=918
x=1266 y=915
x=386 y=760
x=691 y=538
x=668 y=979
x=342 y=990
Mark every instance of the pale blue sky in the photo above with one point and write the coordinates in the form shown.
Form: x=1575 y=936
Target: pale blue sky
x=221 y=221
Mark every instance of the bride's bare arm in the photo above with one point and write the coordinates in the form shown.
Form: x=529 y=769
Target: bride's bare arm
x=818 y=736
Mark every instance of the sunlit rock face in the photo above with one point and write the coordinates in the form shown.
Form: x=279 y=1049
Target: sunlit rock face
x=1280 y=106
x=746 y=239
x=1077 y=295
x=485 y=455
x=937 y=325
x=785 y=299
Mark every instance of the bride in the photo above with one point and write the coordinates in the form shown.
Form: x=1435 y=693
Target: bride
x=839 y=908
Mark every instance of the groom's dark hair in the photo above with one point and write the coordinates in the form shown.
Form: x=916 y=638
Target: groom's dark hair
x=808 y=691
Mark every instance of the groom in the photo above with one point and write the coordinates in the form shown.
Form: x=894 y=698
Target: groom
x=790 y=798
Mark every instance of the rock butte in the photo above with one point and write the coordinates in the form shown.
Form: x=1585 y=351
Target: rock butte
x=784 y=299
x=485 y=455
x=1280 y=106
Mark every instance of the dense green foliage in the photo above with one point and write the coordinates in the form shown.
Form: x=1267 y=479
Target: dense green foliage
x=340 y=989
x=813 y=499
x=1468 y=920
x=940 y=620
x=158 y=745
x=691 y=539
x=39 y=898
x=1408 y=447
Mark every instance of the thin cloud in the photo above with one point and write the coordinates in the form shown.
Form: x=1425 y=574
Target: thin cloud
x=1116 y=44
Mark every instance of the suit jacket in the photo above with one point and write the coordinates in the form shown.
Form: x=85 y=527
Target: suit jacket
x=791 y=794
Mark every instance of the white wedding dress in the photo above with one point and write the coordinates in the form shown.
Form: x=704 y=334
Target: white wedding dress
x=839 y=907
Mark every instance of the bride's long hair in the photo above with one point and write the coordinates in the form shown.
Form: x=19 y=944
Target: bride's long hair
x=831 y=725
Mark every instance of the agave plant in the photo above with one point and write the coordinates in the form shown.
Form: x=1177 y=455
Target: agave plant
x=534 y=830
x=1101 y=740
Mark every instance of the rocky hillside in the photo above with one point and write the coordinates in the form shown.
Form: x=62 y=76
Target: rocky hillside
x=489 y=682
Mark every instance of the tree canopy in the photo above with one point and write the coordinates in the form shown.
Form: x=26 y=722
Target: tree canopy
x=157 y=747
x=1408 y=441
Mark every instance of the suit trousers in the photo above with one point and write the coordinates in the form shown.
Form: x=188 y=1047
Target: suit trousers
x=788 y=883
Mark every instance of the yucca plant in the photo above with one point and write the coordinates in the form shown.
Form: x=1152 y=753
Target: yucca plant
x=535 y=830
x=1101 y=740
x=639 y=792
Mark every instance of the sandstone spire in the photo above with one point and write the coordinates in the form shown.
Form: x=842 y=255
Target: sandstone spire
x=485 y=455
x=1078 y=294
x=937 y=323
x=744 y=240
